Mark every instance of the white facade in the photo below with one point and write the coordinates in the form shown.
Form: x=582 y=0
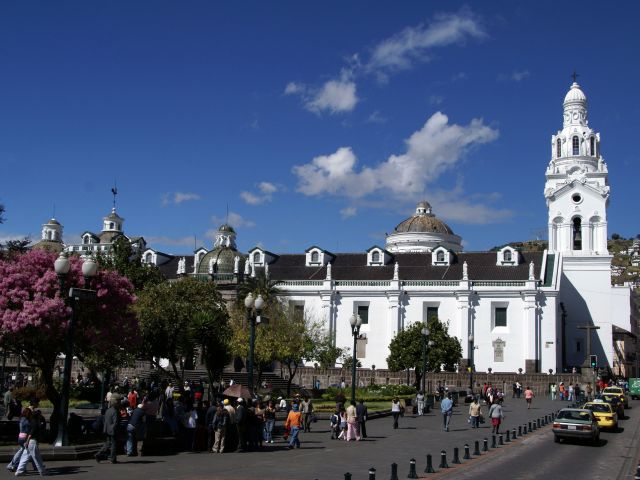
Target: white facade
x=522 y=308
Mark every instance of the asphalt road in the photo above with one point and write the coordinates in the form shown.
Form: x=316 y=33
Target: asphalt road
x=616 y=457
x=533 y=456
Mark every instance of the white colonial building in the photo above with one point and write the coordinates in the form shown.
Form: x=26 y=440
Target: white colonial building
x=510 y=309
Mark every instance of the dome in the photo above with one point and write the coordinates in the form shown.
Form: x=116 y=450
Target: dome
x=423 y=221
x=226 y=228
x=575 y=94
x=223 y=260
x=53 y=221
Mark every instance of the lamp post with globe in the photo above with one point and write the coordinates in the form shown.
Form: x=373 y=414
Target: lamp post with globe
x=356 y=322
x=252 y=304
x=89 y=270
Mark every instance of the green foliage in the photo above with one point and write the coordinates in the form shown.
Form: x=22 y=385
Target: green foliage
x=123 y=260
x=347 y=360
x=11 y=248
x=373 y=393
x=406 y=349
x=615 y=236
x=326 y=353
x=178 y=317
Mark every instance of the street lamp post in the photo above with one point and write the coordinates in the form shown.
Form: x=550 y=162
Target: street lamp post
x=471 y=365
x=251 y=304
x=89 y=270
x=356 y=322
x=425 y=336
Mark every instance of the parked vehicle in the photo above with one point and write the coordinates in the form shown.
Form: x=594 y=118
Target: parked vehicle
x=618 y=391
x=576 y=423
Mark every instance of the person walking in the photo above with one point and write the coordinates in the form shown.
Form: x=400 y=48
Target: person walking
x=111 y=419
x=307 y=411
x=446 y=407
x=352 y=422
x=395 y=411
x=496 y=414
x=241 y=424
x=32 y=450
x=589 y=390
x=528 y=396
x=475 y=412
x=294 y=424
x=22 y=440
x=554 y=390
x=361 y=412
x=420 y=402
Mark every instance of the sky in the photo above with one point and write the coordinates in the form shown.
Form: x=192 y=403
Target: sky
x=306 y=123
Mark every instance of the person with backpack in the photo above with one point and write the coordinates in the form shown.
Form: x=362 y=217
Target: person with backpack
x=294 y=424
x=496 y=414
x=219 y=426
x=334 y=425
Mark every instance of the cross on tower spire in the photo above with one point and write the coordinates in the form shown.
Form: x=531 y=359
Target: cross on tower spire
x=575 y=76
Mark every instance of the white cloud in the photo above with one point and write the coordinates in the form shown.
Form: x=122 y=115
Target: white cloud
x=177 y=198
x=516 y=76
x=436 y=99
x=234 y=219
x=267 y=189
x=376 y=117
x=432 y=150
x=412 y=44
x=348 y=212
x=173 y=241
x=335 y=96
x=294 y=88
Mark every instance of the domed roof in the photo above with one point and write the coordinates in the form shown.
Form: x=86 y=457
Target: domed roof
x=423 y=221
x=53 y=221
x=113 y=215
x=223 y=260
x=575 y=94
x=225 y=227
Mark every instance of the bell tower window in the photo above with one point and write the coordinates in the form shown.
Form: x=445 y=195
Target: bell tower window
x=577 y=234
x=592 y=146
x=558 y=148
x=576 y=146
x=256 y=257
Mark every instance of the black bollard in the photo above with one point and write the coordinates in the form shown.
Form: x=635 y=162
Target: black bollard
x=519 y=430
x=347 y=476
x=534 y=426
x=485 y=445
x=493 y=442
x=429 y=468
x=508 y=439
x=539 y=423
x=394 y=471
x=524 y=429
x=443 y=459
x=529 y=430
x=476 y=448
x=456 y=456
x=500 y=439
x=467 y=452
x=513 y=435
x=372 y=473
x=412 y=469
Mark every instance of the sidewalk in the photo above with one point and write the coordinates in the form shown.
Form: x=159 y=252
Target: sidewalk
x=323 y=458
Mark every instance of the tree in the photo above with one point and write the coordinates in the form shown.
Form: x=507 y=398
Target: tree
x=406 y=349
x=14 y=247
x=326 y=353
x=258 y=285
x=177 y=318
x=122 y=259
x=615 y=236
x=34 y=316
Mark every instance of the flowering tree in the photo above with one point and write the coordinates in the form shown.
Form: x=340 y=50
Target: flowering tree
x=34 y=316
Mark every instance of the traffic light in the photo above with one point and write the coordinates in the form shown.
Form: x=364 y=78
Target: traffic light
x=594 y=361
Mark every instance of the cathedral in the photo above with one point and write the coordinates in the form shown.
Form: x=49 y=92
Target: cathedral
x=511 y=310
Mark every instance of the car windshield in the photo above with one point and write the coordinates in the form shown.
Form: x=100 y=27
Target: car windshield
x=613 y=390
x=574 y=415
x=599 y=407
x=611 y=399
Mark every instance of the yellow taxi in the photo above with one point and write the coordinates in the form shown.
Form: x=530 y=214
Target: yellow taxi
x=604 y=413
x=619 y=392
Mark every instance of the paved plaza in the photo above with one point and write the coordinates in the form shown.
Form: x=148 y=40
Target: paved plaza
x=323 y=458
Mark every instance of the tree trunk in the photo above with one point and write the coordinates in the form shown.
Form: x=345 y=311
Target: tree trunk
x=52 y=394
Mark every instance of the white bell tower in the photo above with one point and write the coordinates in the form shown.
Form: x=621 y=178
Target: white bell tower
x=577 y=187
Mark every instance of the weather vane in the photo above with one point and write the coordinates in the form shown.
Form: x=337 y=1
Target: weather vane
x=114 y=190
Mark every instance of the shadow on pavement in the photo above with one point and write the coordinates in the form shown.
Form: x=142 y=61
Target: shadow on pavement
x=66 y=470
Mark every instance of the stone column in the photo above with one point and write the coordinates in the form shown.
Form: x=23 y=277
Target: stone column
x=530 y=334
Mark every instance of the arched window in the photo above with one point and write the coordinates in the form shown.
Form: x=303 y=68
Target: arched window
x=315 y=257
x=49 y=235
x=256 y=257
x=558 y=148
x=577 y=234
x=592 y=146
x=576 y=146
x=507 y=255
x=440 y=256
x=85 y=240
x=111 y=225
x=148 y=258
x=375 y=257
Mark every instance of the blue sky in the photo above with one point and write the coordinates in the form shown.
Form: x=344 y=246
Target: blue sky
x=316 y=123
